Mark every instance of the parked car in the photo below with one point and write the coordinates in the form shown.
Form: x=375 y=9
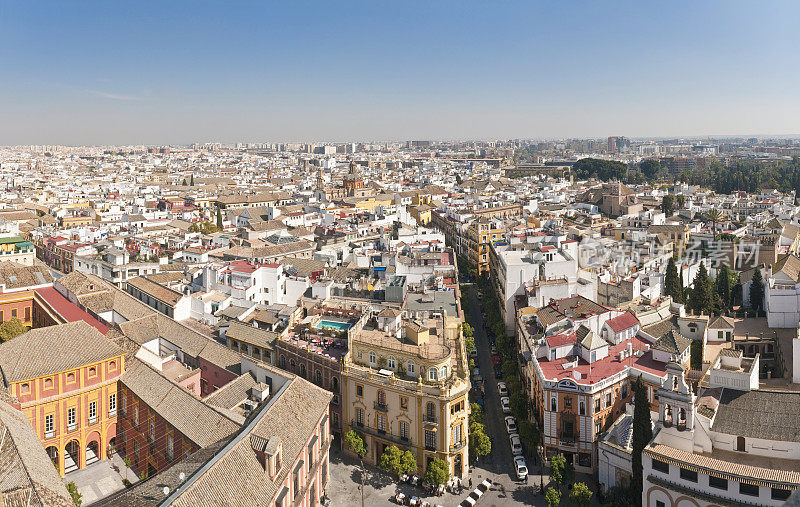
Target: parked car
x=473 y=353
x=498 y=372
x=506 y=404
x=494 y=350
x=502 y=389
x=511 y=424
x=516 y=445
x=520 y=467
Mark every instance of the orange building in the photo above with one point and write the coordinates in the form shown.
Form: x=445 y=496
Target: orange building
x=65 y=378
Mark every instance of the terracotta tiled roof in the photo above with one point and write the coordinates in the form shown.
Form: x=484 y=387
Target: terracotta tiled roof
x=54 y=349
x=623 y=322
x=27 y=476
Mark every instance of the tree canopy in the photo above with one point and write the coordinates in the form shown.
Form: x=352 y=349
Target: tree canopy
x=552 y=497
x=672 y=282
x=580 y=494
x=606 y=170
x=757 y=290
x=396 y=461
x=11 y=329
x=438 y=472
x=356 y=443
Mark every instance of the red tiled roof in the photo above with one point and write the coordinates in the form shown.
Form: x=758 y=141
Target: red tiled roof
x=69 y=311
x=623 y=322
x=557 y=340
x=606 y=367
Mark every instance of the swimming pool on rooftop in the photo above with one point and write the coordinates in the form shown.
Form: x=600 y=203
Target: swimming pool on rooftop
x=333 y=324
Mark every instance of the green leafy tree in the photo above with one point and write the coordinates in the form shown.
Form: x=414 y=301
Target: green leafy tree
x=469 y=336
x=356 y=443
x=672 y=282
x=558 y=465
x=714 y=215
x=72 y=489
x=642 y=433
x=701 y=297
x=528 y=434
x=11 y=329
x=757 y=290
x=552 y=497
x=580 y=494
x=650 y=168
x=680 y=199
x=397 y=461
x=479 y=442
x=438 y=472
x=668 y=205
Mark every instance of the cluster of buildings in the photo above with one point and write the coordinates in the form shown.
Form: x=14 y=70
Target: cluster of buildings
x=215 y=312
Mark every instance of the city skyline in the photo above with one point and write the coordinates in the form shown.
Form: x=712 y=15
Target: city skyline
x=97 y=74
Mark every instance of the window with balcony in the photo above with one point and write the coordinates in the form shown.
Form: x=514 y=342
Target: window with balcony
x=597 y=405
x=581 y=408
x=411 y=369
x=381 y=423
x=430 y=440
x=359 y=417
x=404 y=431
x=390 y=363
x=372 y=359
x=430 y=412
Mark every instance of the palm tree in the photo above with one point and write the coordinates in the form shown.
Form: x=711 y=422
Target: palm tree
x=715 y=216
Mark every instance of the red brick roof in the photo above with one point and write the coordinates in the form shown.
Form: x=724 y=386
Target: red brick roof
x=69 y=311
x=623 y=322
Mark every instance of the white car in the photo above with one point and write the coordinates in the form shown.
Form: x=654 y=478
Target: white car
x=502 y=389
x=516 y=445
x=506 y=404
x=511 y=425
x=520 y=468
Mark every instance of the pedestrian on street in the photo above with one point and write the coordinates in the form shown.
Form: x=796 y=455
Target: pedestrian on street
x=470 y=483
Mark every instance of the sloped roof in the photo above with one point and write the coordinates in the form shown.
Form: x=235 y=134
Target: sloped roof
x=789 y=265
x=771 y=415
x=54 y=349
x=722 y=322
x=623 y=322
x=672 y=342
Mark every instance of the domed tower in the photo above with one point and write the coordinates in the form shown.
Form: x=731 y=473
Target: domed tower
x=353 y=181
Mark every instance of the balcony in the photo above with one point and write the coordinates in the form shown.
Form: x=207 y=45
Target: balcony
x=383 y=435
x=457 y=446
x=429 y=419
x=380 y=406
x=429 y=447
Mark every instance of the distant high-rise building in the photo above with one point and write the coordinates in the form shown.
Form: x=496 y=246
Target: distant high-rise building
x=612 y=144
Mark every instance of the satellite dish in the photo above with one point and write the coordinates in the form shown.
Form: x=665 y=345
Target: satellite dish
x=166 y=491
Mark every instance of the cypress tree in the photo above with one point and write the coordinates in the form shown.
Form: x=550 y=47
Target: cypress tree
x=701 y=298
x=642 y=434
x=219 y=218
x=757 y=290
x=191 y=183
x=724 y=285
x=672 y=282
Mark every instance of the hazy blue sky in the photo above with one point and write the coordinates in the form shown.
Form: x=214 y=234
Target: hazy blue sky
x=176 y=72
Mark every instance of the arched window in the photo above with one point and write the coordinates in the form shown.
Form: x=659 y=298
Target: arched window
x=553 y=404
x=48 y=383
x=443 y=373
x=92 y=371
x=303 y=370
x=70 y=377
x=372 y=358
x=283 y=362
x=335 y=384
x=430 y=411
x=433 y=374
x=112 y=365
x=25 y=388
x=390 y=362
